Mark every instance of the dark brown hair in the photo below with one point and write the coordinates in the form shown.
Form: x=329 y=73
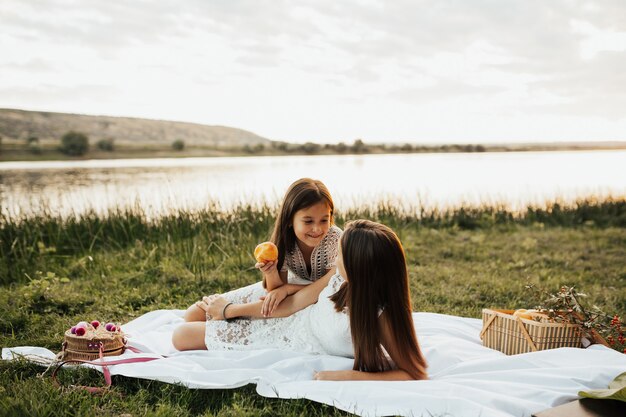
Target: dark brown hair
x=302 y=194
x=377 y=278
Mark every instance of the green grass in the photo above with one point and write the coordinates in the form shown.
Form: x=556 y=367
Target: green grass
x=55 y=272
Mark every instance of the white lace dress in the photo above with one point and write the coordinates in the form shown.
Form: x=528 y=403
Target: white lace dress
x=323 y=258
x=318 y=328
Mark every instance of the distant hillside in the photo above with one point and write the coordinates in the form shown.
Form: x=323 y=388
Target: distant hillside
x=21 y=124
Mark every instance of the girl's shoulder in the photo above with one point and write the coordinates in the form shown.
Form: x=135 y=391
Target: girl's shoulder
x=335 y=282
x=331 y=240
x=334 y=233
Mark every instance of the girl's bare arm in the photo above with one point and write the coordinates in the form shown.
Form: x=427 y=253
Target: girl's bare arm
x=296 y=302
x=275 y=297
x=272 y=277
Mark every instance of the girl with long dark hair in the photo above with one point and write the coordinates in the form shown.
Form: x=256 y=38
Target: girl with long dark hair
x=307 y=242
x=363 y=311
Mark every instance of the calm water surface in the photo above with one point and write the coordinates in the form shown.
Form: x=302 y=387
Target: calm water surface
x=409 y=180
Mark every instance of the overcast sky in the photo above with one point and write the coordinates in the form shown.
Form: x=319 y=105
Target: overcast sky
x=328 y=70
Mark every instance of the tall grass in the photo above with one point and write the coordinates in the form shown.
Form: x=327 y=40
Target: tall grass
x=26 y=242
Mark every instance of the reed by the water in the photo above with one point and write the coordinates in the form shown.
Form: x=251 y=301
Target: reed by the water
x=28 y=243
x=55 y=271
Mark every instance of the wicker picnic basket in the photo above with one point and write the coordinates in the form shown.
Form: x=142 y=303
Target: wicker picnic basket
x=89 y=346
x=512 y=335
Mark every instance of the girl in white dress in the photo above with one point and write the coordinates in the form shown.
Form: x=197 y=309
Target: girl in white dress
x=307 y=242
x=363 y=311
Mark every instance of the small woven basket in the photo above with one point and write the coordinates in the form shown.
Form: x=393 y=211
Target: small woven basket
x=512 y=335
x=88 y=347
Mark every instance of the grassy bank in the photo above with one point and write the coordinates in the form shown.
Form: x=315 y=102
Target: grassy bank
x=56 y=272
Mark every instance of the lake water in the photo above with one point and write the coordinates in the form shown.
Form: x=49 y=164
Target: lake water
x=514 y=179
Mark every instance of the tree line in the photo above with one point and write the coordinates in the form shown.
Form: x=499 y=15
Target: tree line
x=75 y=143
x=358 y=147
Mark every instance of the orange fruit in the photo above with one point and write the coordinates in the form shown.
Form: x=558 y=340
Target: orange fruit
x=266 y=252
x=522 y=313
x=525 y=314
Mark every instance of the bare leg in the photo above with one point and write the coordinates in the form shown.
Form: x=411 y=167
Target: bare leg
x=189 y=336
x=195 y=313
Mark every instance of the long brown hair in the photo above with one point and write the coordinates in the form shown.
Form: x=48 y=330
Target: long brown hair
x=377 y=278
x=302 y=194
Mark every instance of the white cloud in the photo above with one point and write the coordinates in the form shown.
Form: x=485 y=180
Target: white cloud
x=322 y=70
x=597 y=40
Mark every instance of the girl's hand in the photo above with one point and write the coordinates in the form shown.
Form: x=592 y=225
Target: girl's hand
x=272 y=300
x=213 y=306
x=204 y=304
x=267 y=268
x=335 y=375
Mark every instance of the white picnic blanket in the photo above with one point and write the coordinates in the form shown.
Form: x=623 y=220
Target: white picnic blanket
x=466 y=379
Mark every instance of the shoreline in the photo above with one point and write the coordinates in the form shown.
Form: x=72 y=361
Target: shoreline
x=596 y=211
x=49 y=155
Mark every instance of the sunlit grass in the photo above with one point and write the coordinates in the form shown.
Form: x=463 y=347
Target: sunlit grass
x=30 y=243
x=55 y=271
